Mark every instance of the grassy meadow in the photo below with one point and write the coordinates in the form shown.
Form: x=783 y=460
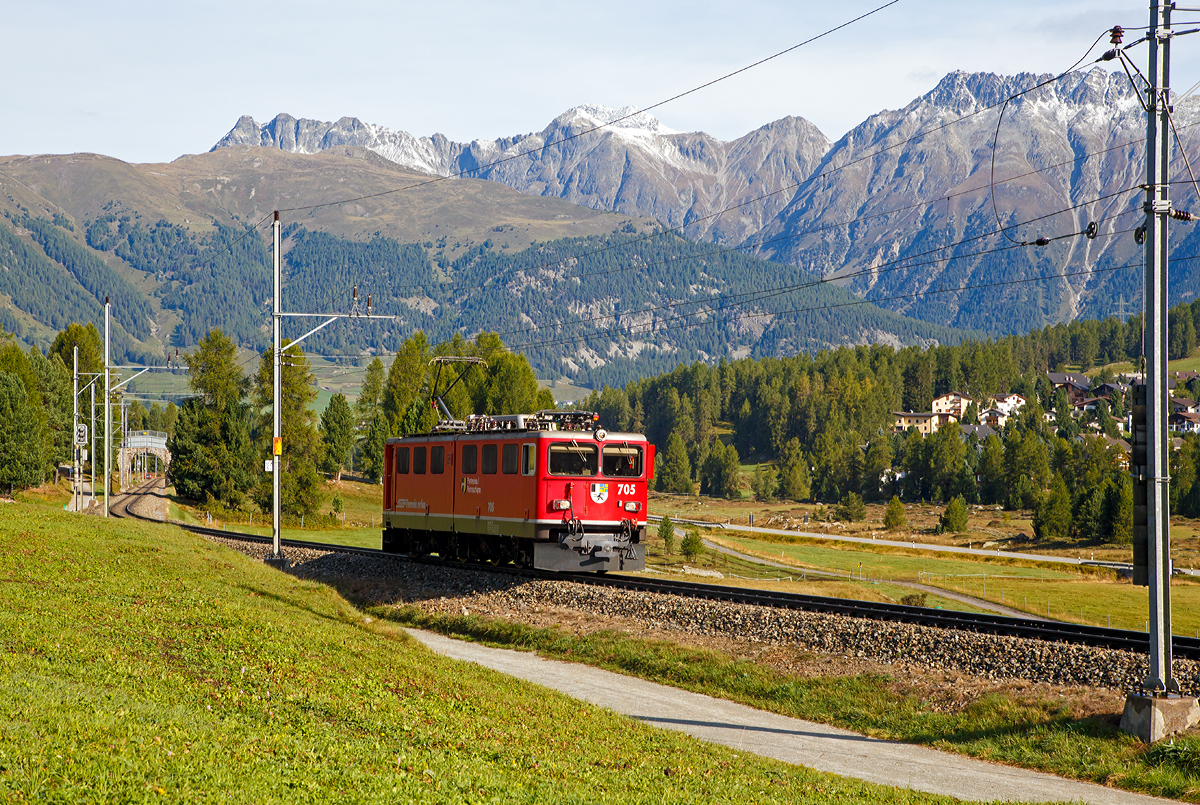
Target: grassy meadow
x=143 y=663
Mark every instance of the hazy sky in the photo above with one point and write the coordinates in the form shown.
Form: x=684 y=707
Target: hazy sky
x=147 y=82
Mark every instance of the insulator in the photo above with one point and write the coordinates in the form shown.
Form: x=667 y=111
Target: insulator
x=1139 y=235
x=356 y=292
x=368 y=303
x=1042 y=241
x=1182 y=215
x=1115 y=35
x=1092 y=230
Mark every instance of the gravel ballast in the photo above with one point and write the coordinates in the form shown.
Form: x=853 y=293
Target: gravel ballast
x=388 y=580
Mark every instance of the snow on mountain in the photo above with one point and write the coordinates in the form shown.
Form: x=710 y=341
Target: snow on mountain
x=612 y=158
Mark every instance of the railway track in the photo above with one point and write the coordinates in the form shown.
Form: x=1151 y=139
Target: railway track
x=1053 y=631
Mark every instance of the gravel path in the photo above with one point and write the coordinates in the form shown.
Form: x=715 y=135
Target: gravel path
x=384 y=580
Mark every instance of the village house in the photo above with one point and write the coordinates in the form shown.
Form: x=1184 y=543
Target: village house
x=1078 y=386
x=1009 y=404
x=926 y=422
x=994 y=418
x=1182 y=405
x=954 y=403
x=1184 y=422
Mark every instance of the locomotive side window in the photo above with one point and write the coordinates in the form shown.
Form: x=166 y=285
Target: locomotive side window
x=418 y=460
x=570 y=458
x=470 y=460
x=402 y=461
x=622 y=461
x=437 y=459
x=528 y=459
x=489 y=459
x=510 y=459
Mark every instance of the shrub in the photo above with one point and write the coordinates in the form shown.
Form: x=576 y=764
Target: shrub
x=692 y=545
x=851 y=508
x=666 y=532
x=954 y=518
x=894 y=517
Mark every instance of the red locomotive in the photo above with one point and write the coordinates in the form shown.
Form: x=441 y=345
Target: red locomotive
x=549 y=490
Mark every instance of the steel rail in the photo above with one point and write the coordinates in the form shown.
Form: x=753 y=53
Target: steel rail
x=985 y=623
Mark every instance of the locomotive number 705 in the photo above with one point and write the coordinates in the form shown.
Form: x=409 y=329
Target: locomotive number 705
x=626 y=489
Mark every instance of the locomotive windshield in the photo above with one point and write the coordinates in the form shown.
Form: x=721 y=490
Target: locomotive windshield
x=569 y=458
x=622 y=461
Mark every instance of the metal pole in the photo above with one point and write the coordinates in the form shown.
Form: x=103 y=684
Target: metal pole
x=75 y=469
x=1158 y=211
x=107 y=407
x=92 y=443
x=277 y=440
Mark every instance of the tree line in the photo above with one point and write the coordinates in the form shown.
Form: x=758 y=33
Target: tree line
x=224 y=432
x=820 y=426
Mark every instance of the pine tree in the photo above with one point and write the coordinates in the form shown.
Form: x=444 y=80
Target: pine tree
x=991 y=468
x=21 y=456
x=1052 y=519
x=851 y=508
x=666 y=532
x=692 y=545
x=894 y=518
x=763 y=485
x=337 y=434
x=301 y=486
x=793 y=472
x=1118 y=507
x=954 y=517
x=209 y=438
x=674 y=472
x=373 y=447
x=90 y=343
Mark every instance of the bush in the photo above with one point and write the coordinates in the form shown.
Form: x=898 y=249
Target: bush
x=954 y=518
x=914 y=600
x=666 y=532
x=851 y=508
x=894 y=517
x=692 y=545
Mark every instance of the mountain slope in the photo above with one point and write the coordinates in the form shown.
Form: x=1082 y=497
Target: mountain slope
x=588 y=295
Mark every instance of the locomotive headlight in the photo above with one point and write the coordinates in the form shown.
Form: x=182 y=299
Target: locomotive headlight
x=633 y=506
x=561 y=505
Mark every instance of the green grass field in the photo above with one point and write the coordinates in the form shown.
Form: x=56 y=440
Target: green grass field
x=142 y=663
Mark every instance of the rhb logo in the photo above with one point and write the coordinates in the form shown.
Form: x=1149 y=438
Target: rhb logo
x=599 y=492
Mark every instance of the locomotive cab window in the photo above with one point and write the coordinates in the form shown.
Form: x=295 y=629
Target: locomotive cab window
x=528 y=459
x=470 y=459
x=437 y=459
x=510 y=459
x=418 y=463
x=489 y=459
x=402 y=461
x=570 y=458
x=622 y=461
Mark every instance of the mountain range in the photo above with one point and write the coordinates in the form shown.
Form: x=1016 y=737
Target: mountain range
x=557 y=239
x=898 y=205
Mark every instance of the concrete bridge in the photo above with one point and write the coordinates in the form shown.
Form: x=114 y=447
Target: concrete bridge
x=142 y=451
